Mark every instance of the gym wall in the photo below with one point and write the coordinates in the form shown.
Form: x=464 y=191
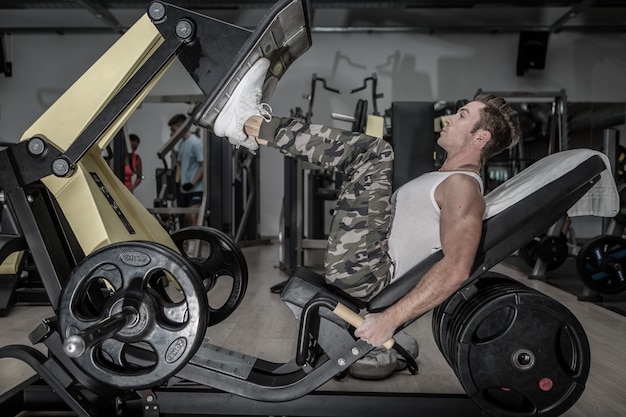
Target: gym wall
x=410 y=67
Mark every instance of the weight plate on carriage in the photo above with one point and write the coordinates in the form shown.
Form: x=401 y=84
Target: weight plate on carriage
x=166 y=332
x=221 y=265
x=521 y=354
x=601 y=264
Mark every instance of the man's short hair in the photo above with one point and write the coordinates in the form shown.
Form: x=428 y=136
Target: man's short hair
x=177 y=119
x=134 y=138
x=499 y=118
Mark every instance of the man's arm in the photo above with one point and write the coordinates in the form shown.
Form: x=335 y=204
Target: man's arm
x=462 y=208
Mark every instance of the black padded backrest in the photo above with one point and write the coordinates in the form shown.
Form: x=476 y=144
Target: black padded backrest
x=510 y=229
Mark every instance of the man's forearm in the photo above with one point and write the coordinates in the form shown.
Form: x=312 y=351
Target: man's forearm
x=437 y=285
x=434 y=288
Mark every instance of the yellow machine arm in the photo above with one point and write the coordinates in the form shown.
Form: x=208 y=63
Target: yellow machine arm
x=99 y=208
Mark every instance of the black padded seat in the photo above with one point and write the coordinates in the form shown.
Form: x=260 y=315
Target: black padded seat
x=505 y=231
x=305 y=285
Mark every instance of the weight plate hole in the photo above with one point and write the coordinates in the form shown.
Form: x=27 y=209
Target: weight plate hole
x=124 y=358
x=166 y=286
x=510 y=400
x=90 y=300
x=194 y=249
x=494 y=325
x=568 y=352
x=221 y=292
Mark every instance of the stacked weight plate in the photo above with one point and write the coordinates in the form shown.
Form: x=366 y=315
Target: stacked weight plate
x=516 y=352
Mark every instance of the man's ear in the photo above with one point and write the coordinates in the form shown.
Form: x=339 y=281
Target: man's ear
x=483 y=136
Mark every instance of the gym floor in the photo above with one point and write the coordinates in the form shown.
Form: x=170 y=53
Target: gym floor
x=264 y=327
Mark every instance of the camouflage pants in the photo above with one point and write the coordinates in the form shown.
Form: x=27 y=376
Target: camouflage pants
x=356 y=258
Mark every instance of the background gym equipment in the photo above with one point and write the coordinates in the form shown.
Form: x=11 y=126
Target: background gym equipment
x=295 y=239
x=601 y=260
x=371 y=124
x=412 y=131
x=598 y=261
x=165 y=205
x=20 y=283
x=550 y=249
x=19 y=280
x=232 y=187
x=601 y=264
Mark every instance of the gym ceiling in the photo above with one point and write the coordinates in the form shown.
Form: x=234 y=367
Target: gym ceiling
x=425 y=16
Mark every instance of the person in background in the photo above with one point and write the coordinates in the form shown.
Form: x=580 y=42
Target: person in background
x=132 y=164
x=189 y=168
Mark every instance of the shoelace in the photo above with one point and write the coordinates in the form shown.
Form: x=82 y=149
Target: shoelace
x=265 y=111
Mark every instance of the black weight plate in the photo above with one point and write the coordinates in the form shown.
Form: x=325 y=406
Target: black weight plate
x=220 y=264
x=528 y=252
x=537 y=329
x=485 y=296
x=552 y=250
x=601 y=264
x=166 y=332
x=445 y=314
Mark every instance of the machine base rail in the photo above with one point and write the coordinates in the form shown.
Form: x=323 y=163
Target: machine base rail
x=34 y=397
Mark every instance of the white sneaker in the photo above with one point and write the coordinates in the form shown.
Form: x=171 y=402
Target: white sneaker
x=242 y=104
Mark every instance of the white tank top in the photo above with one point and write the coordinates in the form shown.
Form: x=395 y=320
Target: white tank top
x=414 y=233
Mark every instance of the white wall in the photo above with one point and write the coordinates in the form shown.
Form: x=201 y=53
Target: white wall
x=409 y=67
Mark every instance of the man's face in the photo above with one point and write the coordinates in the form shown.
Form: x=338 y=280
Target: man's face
x=457 y=132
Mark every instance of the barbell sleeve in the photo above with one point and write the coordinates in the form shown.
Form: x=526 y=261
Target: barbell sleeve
x=76 y=344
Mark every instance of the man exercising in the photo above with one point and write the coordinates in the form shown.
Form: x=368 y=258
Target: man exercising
x=376 y=237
